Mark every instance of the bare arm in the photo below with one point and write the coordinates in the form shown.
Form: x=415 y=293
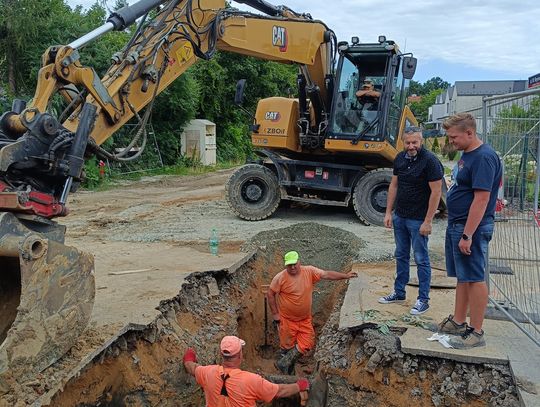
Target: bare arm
x=287 y=390
x=434 y=199
x=476 y=213
x=272 y=303
x=334 y=275
x=190 y=367
x=390 y=199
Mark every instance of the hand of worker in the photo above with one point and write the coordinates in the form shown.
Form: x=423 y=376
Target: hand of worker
x=388 y=220
x=351 y=274
x=425 y=228
x=189 y=356
x=303 y=384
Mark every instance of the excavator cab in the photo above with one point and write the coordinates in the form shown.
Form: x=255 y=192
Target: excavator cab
x=375 y=72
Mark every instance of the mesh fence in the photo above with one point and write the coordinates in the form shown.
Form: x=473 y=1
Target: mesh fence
x=511 y=124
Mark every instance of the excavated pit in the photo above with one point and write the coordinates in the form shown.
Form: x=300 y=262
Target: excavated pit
x=143 y=366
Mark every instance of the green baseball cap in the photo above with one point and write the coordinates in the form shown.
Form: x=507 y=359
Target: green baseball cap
x=291 y=258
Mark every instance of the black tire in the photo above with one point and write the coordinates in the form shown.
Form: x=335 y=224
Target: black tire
x=369 y=196
x=253 y=192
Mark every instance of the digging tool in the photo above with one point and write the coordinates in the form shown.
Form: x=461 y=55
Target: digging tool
x=266 y=349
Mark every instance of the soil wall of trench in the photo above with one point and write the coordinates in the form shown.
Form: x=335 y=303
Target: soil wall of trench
x=143 y=367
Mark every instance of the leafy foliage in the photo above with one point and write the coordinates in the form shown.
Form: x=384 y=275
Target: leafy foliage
x=417 y=88
x=421 y=108
x=217 y=79
x=28 y=28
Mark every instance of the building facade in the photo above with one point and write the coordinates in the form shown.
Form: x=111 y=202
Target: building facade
x=467 y=96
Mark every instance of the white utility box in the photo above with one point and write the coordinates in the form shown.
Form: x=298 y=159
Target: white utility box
x=199 y=141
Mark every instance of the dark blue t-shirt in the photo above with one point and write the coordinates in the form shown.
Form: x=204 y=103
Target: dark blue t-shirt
x=414 y=175
x=479 y=169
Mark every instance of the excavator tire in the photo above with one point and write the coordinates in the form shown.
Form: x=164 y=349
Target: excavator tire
x=369 y=196
x=253 y=192
x=46 y=295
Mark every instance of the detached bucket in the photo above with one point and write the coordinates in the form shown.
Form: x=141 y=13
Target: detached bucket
x=46 y=295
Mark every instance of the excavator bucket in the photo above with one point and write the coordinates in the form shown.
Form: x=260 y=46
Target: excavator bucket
x=46 y=295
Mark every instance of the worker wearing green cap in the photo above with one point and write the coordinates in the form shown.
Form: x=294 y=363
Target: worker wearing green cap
x=289 y=297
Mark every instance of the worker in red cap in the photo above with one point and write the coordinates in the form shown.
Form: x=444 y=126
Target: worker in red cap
x=289 y=298
x=227 y=385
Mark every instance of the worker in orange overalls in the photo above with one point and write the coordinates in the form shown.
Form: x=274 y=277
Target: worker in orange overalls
x=289 y=298
x=227 y=386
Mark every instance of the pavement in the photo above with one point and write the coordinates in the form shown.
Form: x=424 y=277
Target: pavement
x=505 y=343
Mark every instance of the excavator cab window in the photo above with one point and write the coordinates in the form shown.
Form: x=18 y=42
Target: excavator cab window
x=398 y=95
x=358 y=103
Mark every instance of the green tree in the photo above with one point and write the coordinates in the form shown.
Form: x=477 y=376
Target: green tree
x=421 y=89
x=432 y=84
x=415 y=88
x=421 y=108
x=29 y=28
x=217 y=80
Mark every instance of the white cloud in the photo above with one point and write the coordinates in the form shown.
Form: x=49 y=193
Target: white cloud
x=499 y=35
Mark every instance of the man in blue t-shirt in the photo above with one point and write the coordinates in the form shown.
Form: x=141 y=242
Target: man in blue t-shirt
x=414 y=193
x=471 y=201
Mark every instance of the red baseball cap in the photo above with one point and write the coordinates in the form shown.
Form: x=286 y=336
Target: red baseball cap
x=231 y=345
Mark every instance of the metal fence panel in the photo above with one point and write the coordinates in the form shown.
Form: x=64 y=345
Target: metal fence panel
x=511 y=124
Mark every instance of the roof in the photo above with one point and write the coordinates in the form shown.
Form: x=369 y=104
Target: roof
x=489 y=88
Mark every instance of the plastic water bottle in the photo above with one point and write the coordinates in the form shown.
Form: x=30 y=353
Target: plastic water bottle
x=214 y=242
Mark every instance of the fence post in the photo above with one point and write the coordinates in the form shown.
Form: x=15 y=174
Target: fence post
x=484 y=120
x=537 y=185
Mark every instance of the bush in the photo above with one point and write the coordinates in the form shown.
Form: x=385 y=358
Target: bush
x=91 y=174
x=435 y=146
x=449 y=150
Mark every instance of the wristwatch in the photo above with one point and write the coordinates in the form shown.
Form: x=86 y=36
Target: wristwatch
x=465 y=237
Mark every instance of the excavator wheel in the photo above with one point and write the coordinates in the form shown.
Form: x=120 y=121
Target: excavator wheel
x=369 y=196
x=46 y=295
x=253 y=192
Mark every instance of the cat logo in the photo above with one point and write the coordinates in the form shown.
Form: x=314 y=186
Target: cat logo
x=279 y=38
x=272 y=116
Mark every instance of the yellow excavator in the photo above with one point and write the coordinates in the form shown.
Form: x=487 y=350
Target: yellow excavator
x=322 y=137
x=335 y=143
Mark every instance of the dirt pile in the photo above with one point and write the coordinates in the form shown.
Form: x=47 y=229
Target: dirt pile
x=322 y=246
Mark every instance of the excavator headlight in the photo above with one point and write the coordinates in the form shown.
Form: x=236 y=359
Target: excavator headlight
x=382 y=39
x=355 y=40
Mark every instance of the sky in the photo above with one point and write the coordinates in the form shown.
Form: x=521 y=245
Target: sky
x=456 y=40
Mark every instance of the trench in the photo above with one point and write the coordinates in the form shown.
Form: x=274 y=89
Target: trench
x=143 y=367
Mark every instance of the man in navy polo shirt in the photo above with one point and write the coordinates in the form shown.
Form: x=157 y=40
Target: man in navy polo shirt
x=416 y=191
x=471 y=204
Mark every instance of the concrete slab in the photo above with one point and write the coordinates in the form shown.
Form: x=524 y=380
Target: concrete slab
x=506 y=344
x=439 y=279
x=376 y=280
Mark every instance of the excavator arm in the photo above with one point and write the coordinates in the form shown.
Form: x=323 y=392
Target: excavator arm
x=47 y=288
